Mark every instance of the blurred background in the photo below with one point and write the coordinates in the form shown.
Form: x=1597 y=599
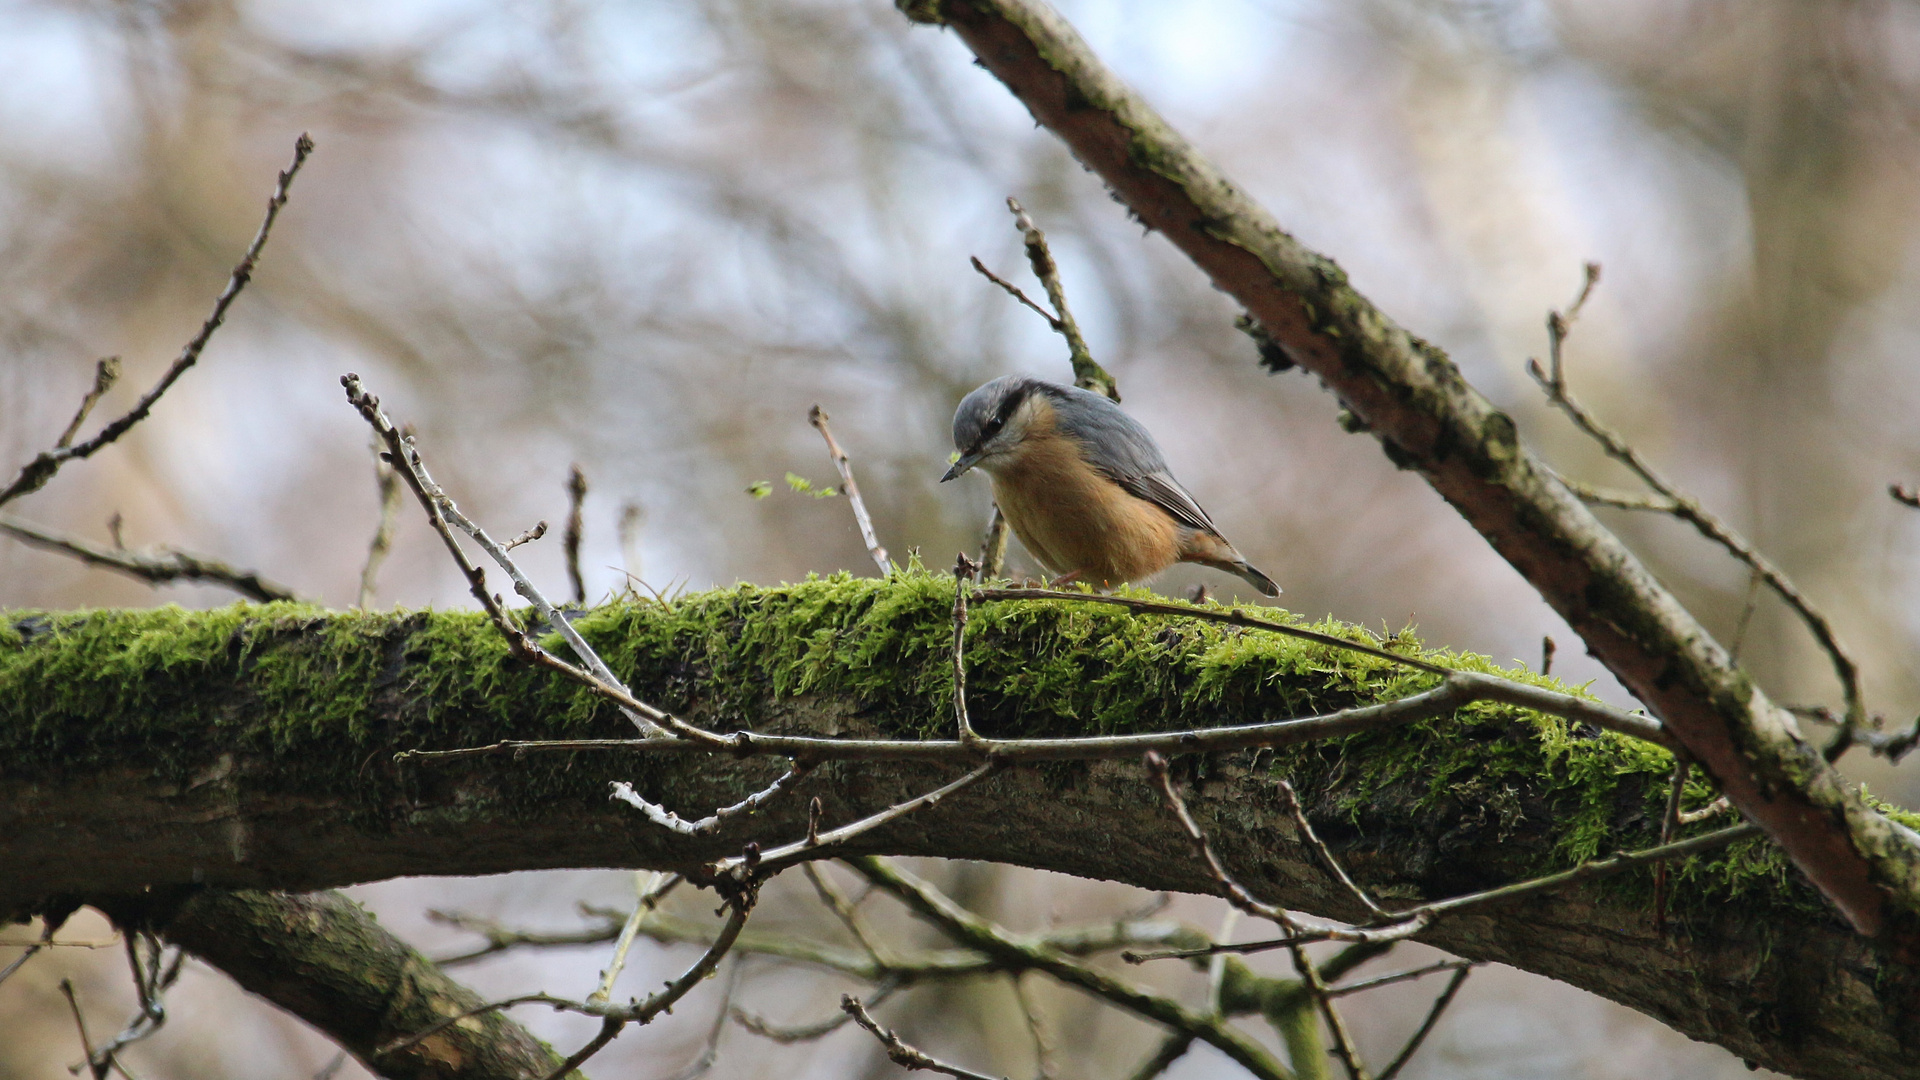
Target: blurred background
x=645 y=237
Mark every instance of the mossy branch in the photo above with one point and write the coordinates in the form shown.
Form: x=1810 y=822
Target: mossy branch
x=253 y=747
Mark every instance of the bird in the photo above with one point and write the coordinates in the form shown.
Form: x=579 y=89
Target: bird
x=1084 y=486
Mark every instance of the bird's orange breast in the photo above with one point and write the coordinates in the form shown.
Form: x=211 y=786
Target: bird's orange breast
x=1075 y=520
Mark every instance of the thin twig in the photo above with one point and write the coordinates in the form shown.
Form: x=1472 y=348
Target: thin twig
x=105 y=373
x=1906 y=495
x=710 y=1052
x=1015 y=292
x=539 y=530
x=158 y=567
x=1343 y=1047
x=907 y=1057
x=962 y=575
x=1399 y=977
x=1044 y=1067
x=817 y=416
x=760 y=1026
x=1426 y=1027
x=845 y=910
x=37 y=472
x=975 y=932
x=647 y=895
x=95 y=1065
x=381 y=545
x=1684 y=506
x=1669 y=821
x=993 y=548
x=1319 y=847
x=1171 y=1049
x=1418 y=918
x=576 y=496
x=1457 y=689
x=1087 y=374
x=814 y=847
x=665 y=818
x=441 y=510
x=1236 y=893
x=614 y=1017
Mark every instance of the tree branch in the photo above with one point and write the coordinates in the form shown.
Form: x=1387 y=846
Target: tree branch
x=1427 y=418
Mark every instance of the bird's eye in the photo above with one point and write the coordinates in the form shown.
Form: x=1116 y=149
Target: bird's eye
x=993 y=427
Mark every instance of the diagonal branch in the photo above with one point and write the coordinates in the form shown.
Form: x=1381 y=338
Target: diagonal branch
x=157 y=568
x=1428 y=418
x=37 y=472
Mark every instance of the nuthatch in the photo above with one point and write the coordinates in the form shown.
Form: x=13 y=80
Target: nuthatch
x=1084 y=486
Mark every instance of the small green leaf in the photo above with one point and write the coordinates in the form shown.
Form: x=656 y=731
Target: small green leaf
x=760 y=489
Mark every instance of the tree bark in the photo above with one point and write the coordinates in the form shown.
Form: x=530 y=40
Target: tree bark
x=324 y=958
x=252 y=748
x=1429 y=419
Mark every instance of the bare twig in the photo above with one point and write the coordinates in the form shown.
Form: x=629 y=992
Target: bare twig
x=576 y=496
x=613 y=1017
x=1399 y=977
x=1426 y=1027
x=1457 y=689
x=1547 y=649
x=1343 y=1047
x=1171 y=1049
x=1087 y=374
x=1236 y=893
x=1681 y=505
x=1415 y=919
x=710 y=1051
x=1044 y=1067
x=901 y=1054
x=1319 y=848
x=539 y=530
x=159 y=567
x=105 y=374
x=1015 y=292
x=963 y=572
x=817 y=416
x=1908 y=496
x=382 y=543
x=441 y=511
x=661 y=816
x=647 y=895
x=993 y=549
x=975 y=932
x=822 y=844
x=847 y=911
x=37 y=472
x=95 y=1065
x=819 y=1029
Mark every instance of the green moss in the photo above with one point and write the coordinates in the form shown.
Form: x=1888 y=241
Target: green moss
x=79 y=690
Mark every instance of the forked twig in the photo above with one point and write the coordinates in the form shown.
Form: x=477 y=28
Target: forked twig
x=1671 y=500
x=35 y=474
x=907 y=1057
x=817 y=416
x=158 y=567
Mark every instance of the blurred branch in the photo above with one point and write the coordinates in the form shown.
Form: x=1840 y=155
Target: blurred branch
x=158 y=568
x=576 y=495
x=817 y=416
x=1668 y=499
x=907 y=1057
x=37 y=472
x=327 y=960
x=382 y=542
x=977 y=933
x=1413 y=399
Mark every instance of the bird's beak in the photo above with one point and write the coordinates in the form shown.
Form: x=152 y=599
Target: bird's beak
x=967 y=461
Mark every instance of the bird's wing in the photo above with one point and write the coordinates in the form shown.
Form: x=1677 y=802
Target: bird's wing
x=1161 y=489
x=1128 y=454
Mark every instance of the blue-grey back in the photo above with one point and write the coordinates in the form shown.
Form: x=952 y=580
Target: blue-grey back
x=1121 y=447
